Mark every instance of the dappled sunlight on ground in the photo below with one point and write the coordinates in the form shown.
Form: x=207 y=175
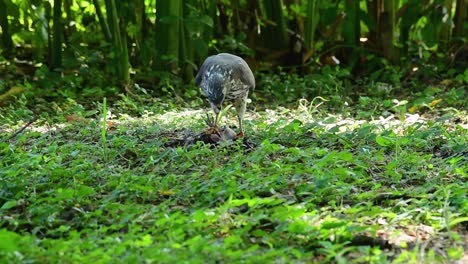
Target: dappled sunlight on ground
x=280 y=116
x=298 y=171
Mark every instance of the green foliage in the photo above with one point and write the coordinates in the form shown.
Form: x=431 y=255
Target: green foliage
x=104 y=128
x=318 y=181
x=336 y=167
x=367 y=38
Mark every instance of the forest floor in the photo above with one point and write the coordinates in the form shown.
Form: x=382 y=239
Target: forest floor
x=306 y=185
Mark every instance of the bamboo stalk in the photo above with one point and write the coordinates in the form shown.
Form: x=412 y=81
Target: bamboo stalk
x=168 y=26
x=57 y=36
x=102 y=21
x=7 y=41
x=445 y=32
x=388 y=31
x=461 y=12
x=119 y=43
x=275 y=35
x=311 y=22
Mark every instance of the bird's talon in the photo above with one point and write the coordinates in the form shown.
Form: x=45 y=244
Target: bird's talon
x=209 y=121
x=212 y=130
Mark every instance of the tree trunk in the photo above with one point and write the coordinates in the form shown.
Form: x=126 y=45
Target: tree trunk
x=7 y=41
x=57 y=36
x=311 y=22
x=168 y=27
x=186 y=50
x=275 y=36
x=102 y=21
x=408 y=15
x=445 y=32
x=374 y=8
x=119 y=42
x=237 y=25
x=387 y=23
x=459 y=31
x=352 y=33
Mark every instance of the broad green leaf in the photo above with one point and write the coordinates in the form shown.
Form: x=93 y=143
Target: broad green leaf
x=458 y=221
x=207 y=20
x=9 y=204
x=384 y=141
x=64 y=194
x=145 y=241
x=8 y=241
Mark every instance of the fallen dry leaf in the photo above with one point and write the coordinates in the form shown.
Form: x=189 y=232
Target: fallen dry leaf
x=74 y=118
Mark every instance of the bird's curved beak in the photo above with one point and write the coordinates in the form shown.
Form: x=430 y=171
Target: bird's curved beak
x=216 y=107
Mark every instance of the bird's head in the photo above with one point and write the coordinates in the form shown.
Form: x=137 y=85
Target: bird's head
x=216 y=107
x=215 y=90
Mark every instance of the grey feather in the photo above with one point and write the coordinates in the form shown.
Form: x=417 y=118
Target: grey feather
x=240 y=68
x=226 y=76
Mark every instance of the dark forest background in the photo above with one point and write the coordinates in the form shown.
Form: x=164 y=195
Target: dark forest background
x=355 y=147
x=142 y=44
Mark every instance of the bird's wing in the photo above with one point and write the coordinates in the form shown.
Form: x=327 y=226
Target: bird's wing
x=245 y=74
x=206 y=64
x=240 y=68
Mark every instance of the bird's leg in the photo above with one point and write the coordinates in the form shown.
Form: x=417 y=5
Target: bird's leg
x=216 y=119
x=240 y=109
x=241 y=129
x=216 y=110
x=213 y=129
x=241 y=132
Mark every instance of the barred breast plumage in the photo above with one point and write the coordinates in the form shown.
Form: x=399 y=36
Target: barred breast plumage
x=226 y=77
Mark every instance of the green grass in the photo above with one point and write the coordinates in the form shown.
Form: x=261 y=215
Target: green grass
x=368 y=183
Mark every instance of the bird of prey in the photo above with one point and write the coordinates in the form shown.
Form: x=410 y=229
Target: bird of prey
x=226 y=77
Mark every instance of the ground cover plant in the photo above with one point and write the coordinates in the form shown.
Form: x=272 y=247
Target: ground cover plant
x=355 y=147
x=318 y=180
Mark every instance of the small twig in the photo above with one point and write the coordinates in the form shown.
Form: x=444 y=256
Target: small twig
x=394 y=196
x=362 y=240
x=23 y=128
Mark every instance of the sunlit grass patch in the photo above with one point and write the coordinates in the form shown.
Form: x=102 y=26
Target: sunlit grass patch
x=313 y=185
